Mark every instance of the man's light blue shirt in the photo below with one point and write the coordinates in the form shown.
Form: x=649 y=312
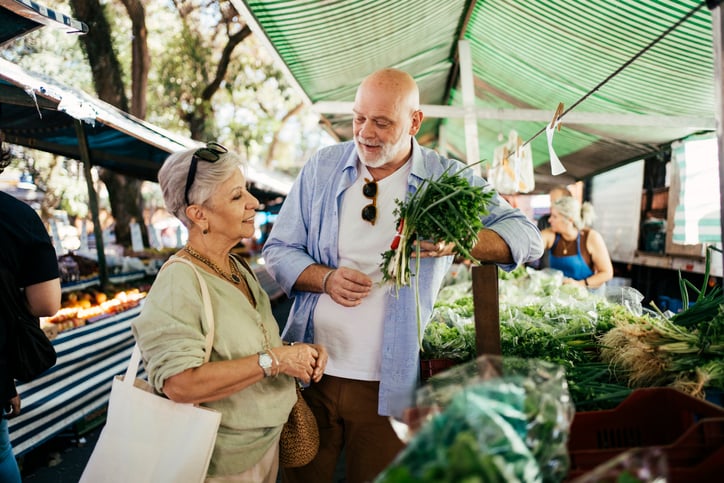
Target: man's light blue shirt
x=306 y=232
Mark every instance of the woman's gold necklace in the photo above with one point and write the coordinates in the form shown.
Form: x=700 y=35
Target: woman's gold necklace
x=233 y=277
x=566 y=243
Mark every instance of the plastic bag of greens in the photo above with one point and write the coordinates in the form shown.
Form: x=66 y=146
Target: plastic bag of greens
x=451 y=293
x=448 y=336
x=442 y=341
x=628 y=297
x=491 y=419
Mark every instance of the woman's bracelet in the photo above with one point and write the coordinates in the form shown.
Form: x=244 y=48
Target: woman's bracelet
x=325 y=278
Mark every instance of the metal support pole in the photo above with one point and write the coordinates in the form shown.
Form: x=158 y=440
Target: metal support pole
x=92 y=202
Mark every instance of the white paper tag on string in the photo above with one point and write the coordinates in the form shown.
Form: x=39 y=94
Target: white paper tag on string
x=83 y=236
x=136 y=237
x=556 y=165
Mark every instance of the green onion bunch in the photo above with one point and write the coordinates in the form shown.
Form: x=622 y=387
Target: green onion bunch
x=445 y=209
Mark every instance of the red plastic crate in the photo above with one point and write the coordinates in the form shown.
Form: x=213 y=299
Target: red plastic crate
x=430 y=367
x=690 y=431
x=709 y=469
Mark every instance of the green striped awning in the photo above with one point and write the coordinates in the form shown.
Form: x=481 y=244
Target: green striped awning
x=527 y=55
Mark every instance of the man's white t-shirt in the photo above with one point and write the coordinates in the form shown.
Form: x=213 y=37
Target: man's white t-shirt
x=353 y=335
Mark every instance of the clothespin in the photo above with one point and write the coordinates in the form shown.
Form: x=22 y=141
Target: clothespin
x=558 y=113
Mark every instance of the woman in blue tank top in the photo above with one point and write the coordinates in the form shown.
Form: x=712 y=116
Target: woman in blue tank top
x=580 y=253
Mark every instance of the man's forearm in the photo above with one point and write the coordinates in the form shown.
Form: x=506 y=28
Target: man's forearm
x=310 y=280
x=491 y=248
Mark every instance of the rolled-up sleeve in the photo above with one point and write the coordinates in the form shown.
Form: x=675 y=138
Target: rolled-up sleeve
x=286 y=252
x=168 y=330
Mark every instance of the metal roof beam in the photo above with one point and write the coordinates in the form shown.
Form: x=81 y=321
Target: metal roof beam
x=535 y=115
x=73 y=152
x=14 y=95
x=85 y=156
x=472 y=146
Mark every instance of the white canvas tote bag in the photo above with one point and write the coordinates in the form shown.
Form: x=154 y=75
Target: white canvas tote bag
x=149 y=438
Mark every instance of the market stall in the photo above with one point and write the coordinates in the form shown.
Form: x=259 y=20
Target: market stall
x=628 y=368
x=40 y=113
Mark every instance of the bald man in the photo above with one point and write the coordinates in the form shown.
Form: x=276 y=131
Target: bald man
x=325 y=251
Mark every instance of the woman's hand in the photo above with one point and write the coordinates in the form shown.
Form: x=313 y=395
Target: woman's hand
x=302 y=361
x=322 y=359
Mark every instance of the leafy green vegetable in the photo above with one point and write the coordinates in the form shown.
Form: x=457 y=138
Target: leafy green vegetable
x=555 y=325
x=443 y=341
x=446 y=209
x=705 y=314
x=508 y=428
x=605 y=348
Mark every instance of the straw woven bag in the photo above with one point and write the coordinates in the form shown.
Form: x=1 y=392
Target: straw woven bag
x=299 y=441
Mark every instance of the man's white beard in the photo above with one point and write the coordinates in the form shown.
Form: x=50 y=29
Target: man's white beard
x=385 y=156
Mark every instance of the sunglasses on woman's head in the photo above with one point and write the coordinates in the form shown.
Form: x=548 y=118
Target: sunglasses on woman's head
x=369 y=212
x=210 y=153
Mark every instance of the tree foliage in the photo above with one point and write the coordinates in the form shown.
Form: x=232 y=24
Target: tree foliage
x=202 y=74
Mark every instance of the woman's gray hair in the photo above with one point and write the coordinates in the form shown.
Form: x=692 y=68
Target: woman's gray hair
x=172 y=179
x=581 y=216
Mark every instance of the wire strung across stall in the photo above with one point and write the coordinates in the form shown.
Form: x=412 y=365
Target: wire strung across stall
x=711 y=3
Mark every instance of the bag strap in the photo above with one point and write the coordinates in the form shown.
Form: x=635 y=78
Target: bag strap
x=208 y=309
x=135 y=361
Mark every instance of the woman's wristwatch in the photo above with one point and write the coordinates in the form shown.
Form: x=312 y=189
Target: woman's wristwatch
x=265 y=362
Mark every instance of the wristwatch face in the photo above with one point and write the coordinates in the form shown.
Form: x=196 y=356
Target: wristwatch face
x=265 y=361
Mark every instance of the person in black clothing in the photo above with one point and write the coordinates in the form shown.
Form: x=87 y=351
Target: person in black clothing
x=27 y=254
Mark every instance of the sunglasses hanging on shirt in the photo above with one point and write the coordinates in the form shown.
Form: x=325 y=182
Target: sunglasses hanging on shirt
x=369 y=212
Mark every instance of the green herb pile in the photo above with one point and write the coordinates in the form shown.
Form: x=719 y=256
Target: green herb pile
x=563 y=333
x=446 y=209
x=605 y=348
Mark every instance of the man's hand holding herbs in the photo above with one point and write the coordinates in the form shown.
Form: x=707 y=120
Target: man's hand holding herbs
x=431 y=249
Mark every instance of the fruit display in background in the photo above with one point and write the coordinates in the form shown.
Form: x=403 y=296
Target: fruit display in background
x=83 y=307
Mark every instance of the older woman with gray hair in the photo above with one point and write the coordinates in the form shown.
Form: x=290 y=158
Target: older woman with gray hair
x=249 y=376
x=577 y=251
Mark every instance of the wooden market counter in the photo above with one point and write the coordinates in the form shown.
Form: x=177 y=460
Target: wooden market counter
x=79 y=383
